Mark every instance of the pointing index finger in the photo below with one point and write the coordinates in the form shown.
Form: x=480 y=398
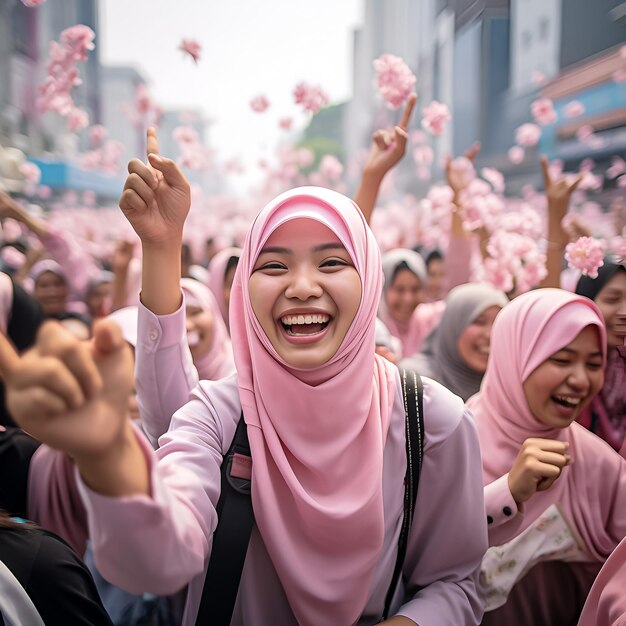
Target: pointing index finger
x=408 y=111
x=546 y=171
x=152 y=143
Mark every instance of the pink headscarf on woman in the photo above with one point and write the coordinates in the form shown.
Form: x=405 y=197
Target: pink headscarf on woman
x=317 y=435
x=218 y=361
x=526 y=332
x=217 y=274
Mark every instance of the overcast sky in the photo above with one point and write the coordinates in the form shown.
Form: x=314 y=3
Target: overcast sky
x=249 y=47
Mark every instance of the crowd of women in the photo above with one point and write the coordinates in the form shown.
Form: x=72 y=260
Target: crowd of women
x=118 y=416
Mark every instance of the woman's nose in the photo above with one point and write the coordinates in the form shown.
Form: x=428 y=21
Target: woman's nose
x=304 y=285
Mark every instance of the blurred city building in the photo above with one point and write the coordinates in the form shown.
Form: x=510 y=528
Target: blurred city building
x=108 y=94
x=485 y=59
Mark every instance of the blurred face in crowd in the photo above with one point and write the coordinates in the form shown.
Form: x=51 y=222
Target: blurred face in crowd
x=99 y=300
x=199 y=330
x=228 y=281
x=612 y=302
x=435 y=284
x=474 y=341
x=404 y=294
x=52 y=292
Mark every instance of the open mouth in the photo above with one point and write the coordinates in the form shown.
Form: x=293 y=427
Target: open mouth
x=569 y=402
x=305 y=325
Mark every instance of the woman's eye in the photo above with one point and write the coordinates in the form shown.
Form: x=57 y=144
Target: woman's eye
x=271 y=266
x=333 y=263
x=559 y=361
x=594 y=366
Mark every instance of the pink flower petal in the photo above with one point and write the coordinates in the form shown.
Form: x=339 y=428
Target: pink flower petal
x=192 y=47
x=259 y=104
x=394 y=80
x=516 y=155
x=574 y=109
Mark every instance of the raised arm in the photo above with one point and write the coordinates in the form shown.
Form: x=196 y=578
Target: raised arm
x=388 y=148
x=558 y=194
x=156 y=200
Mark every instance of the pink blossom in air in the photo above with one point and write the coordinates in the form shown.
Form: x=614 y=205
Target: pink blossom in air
x=30 y=172
x=311 y=97
x=285 y=123
x=538 y=77
x=436 y=114
x=259 y=104
x=494 y=178
x=516 y=155
x=618 y=166
x=586 y=254
x=543 y=111
x=191 y=47
x=97 y=134
x=44 y=192
x=590 y=182
x=331 y=167
x=78 y=40
x=574 y=109
x=462 y=172
x=423 y=155
x=304 y=157
x=77 y=120
x=527 y=135
x=394 y=79
x=185 y=134
x=584 y=132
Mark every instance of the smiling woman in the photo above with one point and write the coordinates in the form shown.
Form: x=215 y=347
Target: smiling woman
x=305 y=296
x=546 y=364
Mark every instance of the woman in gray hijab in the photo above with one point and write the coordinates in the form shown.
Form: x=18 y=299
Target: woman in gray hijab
x=455 y=352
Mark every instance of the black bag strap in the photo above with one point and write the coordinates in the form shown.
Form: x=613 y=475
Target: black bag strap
x=230 y=539
x=413 y=394
x=236 y=517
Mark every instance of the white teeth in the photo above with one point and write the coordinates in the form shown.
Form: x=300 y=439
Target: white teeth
x=569 y=400
x=314 y=318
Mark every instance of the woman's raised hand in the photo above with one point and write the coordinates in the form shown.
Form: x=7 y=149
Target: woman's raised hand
x=389 y=146
x=156 y=197
x=538 y=464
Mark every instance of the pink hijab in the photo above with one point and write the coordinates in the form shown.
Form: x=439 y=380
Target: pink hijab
x=317 y=504
x=526 y=332
x=218 y=361
x=217 y=274
x=606 y=602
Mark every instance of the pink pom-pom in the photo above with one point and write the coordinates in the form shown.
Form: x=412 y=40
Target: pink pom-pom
x=78 y=39
x=285 y=123
x=77 y=119
x=574 y=109
x=586 y=254
x=527 y=135
x=259 y=104
x=192 y=48
x=436 y=114
x=543 y=111
x=394 y=79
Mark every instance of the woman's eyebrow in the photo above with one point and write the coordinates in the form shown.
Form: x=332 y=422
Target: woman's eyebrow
x=328 y=246
x=275 y=250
